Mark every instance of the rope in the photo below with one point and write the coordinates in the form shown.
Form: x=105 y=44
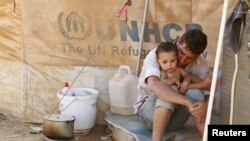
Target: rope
x=233 y=88
x=90 y=57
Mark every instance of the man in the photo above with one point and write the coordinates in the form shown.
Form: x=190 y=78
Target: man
x=157 y=103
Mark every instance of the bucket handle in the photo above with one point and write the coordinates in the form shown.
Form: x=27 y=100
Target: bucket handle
x=68 y=104
x=125 y=67
x=74 y=118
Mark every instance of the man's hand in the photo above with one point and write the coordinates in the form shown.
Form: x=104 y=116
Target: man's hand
x=199 y=111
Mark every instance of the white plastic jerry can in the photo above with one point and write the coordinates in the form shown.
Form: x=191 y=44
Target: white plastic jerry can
x=123 y=91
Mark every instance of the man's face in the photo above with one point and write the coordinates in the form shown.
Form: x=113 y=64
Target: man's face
x=185 y=56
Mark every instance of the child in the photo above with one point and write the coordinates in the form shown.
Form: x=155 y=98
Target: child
x=167 y=54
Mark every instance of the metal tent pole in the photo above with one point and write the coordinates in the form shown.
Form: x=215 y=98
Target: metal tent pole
x=216 y=67
x=141 y=39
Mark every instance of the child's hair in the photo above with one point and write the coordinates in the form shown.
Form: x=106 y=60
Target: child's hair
x=166 y=47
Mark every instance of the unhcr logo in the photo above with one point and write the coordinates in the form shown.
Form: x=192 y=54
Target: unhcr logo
x=74 y=26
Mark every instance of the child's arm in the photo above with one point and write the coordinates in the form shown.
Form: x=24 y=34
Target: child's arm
x=187 y=79
x=197 y=82
x=203 y=84
x=195 y=78
x=192 y=81
x=169 y=81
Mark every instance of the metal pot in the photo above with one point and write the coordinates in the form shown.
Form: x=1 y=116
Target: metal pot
x=58 y=126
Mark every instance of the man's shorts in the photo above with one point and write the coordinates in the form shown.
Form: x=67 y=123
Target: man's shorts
x=179 y=115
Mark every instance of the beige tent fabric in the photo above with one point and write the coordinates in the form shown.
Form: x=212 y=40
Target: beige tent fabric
x=11 y=95
x=10 y=30
x=45 y=43
x=71 y=33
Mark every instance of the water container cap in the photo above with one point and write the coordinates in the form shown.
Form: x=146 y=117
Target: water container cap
x=66 y=84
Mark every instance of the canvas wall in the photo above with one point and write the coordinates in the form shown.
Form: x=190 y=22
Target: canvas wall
x=45 y=43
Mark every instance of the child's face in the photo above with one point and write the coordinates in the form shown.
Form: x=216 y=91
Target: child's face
x=167 y=61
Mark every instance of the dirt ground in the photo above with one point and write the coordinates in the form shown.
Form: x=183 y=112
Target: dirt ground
x=11 y=130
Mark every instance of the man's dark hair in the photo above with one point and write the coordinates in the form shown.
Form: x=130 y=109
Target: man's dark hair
x=166 y=47
x=195 y=40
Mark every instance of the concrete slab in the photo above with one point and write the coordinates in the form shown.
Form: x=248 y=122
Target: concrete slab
x=130 y=128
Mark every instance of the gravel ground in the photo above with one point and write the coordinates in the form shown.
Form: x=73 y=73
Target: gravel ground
x=13 y=130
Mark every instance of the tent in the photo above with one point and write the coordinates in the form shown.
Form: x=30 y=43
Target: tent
x=46 y=43
x=236 y=67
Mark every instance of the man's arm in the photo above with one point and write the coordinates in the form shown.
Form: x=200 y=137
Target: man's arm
x=166 y=93
x=202 y=84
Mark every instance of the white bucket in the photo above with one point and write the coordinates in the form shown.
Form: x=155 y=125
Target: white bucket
x=81 y=103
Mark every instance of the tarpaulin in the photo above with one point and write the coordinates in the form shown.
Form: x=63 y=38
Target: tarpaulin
x=45 y=43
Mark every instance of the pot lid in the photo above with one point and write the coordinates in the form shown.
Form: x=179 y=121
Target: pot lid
x=58 y=117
